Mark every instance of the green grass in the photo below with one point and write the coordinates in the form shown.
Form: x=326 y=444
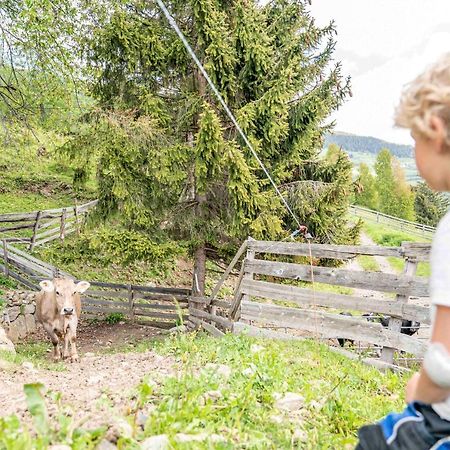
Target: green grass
x=368 y=263
x=34 y=352
x=339 y=396
x=30 y=182
x=388 y=237
x=423 y=268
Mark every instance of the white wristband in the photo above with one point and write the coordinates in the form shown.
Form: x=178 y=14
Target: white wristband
x=437 y=364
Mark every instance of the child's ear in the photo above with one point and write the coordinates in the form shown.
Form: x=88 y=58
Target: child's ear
x=439 y=132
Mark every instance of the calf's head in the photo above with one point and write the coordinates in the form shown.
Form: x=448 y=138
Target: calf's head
x=65 y=291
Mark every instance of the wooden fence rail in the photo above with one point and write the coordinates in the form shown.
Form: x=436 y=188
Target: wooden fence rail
x=418 y=229
x=156 y=306
x=39 y=227
x=318 y=314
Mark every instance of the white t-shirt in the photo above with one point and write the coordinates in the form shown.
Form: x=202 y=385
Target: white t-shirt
x=440 y=285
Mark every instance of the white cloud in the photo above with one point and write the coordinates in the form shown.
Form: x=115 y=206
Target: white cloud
x=383 y=44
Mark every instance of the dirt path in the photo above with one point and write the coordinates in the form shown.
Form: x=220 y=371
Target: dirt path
x=98 y=388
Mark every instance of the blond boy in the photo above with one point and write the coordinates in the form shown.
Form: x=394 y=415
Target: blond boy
x=425 y=424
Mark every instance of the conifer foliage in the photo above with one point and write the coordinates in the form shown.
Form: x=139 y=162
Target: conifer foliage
x=170 y=158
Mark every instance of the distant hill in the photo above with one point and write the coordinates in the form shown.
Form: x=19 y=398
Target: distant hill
x=367 y=144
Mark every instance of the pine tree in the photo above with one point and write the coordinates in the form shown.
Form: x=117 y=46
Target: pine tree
x=367 y=194
x=186 y=168
x=429 y=206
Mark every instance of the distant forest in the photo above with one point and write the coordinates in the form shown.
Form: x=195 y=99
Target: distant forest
x=354 y=143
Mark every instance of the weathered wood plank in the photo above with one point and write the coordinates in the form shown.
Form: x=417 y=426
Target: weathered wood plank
x=252 y=331
x=111 y=294
x=205 y=315
x=416 y=250
x=17 y=227
x=53 y=237
x=330 y=326
x=307 y=297
x=376 y=281
x=227 y=272
x=203 y=300
x=171 y=307
x=395 y=324
x=207 y=327
x=321 y=250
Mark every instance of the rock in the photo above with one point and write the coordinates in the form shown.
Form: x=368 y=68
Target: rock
x=159 y=442
x=30 y=323
x=89 y=354
x=20 y=326
x=213 y=395
x=28 y=365
x=5 y=342
x=105 y=445
x=29 y=309
x=276 y=419
x=216 y=438
x=182 y=437
x=179 y=329
x=300 y=436
x=12 y=313
x=250 y=371
x=255 y=348
x=220 y=369
x=59 y=447
x=141 y=419
x=290 y=402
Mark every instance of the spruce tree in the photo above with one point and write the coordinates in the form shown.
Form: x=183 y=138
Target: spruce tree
x=429 y=206
x=186 y=169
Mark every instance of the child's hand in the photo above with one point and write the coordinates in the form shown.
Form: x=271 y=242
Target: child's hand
x=411 y=387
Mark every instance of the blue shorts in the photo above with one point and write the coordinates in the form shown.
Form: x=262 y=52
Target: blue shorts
x=418 y=427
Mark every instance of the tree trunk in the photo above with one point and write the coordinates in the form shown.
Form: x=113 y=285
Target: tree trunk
x=199 y=277
x=198 y=282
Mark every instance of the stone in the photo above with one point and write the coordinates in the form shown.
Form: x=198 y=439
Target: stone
x=300 y=435
x=255 y=348
x=213 y=395
x=20 y=325
x=59 y=447
x=30 y=323
x=178 y=329
x=13 y=334
x=29 y=309
x=12 y=313
x=5 y=342
x=182 y=437
x=220 y=369
x=290 y=401
x=28 y=365
x=105 y=445
x=159 y=442
x=250 y=371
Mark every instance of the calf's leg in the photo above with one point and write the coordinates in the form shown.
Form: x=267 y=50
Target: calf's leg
x=55 y=340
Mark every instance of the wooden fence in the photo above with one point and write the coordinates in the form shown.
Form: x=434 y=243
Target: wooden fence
x=418 y=229
x=272 y=295
x=39 y=227
x=156 y=306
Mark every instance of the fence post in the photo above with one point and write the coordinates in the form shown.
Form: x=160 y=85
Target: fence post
x=131 y=302
x=77 y=223
x=5 y=257
x=235 y=310
x=35 y=230
x=378 y=217
x=62 y=228
x=387 y=353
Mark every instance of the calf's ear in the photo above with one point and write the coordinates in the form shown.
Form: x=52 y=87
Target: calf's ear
x=82 y=286
x=47 y=285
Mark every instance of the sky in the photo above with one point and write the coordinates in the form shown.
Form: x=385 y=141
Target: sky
x=383 y=44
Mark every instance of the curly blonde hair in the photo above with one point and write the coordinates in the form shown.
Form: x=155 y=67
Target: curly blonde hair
x=426 y=96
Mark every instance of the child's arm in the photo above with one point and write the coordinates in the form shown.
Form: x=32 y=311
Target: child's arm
x=425 y=390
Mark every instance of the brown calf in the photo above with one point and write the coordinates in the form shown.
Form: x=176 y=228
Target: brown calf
x=58 y=307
